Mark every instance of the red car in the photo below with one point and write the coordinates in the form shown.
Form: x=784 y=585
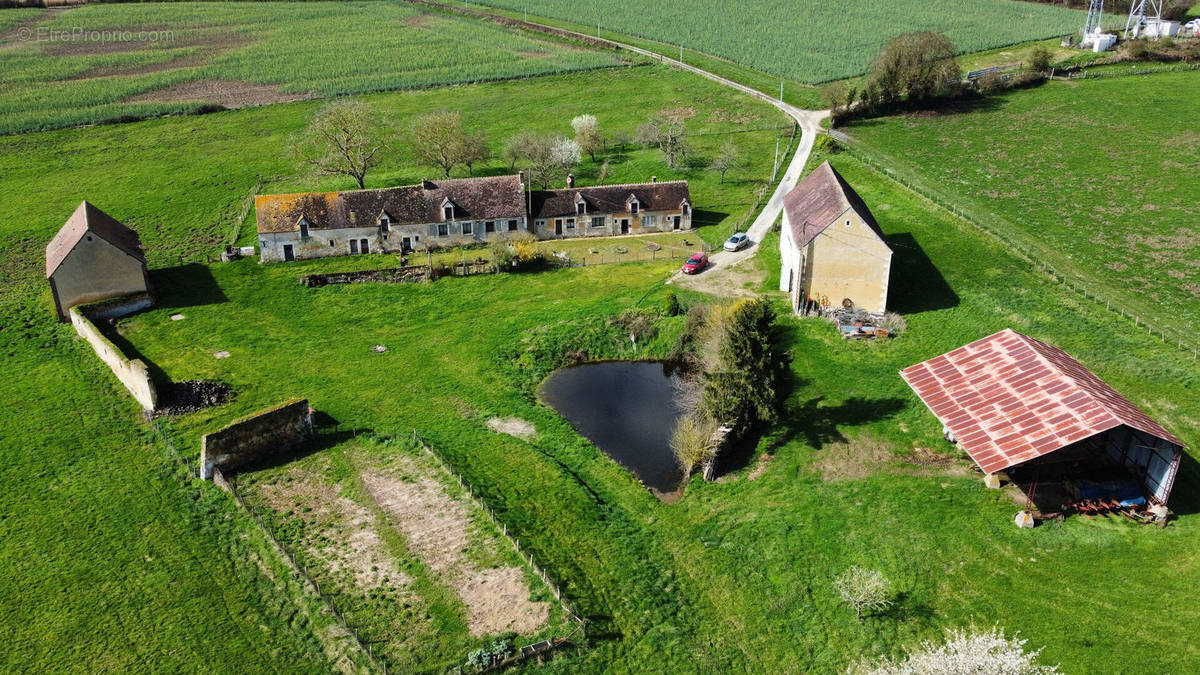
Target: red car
x=694 y=264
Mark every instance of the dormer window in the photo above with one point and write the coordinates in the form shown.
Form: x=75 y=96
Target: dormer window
x=303 y=226
x=633 y=204
x=685 y=208
x=580 y=208
x=353 y=218
x=384 y=224
x=447 y=209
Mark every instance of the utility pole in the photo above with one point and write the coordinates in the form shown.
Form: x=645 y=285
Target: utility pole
x=781 y=91
x=681 y=55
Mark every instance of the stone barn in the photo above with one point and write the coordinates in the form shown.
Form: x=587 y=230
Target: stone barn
x=94 y=257
x=1029 y=412
x=831 y=246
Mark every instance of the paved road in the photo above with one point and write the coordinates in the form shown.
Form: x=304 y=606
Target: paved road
x=810 y=126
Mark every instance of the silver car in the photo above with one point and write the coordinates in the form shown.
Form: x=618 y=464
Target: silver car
x=737 y=241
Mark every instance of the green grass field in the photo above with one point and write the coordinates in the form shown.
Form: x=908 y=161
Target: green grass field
x=52 y=78
x=735 y=576
x=1098 y=177
x=108 y=561
x=811 y=42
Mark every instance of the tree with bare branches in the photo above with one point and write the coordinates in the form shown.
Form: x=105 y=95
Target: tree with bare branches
x=440 y=140
x=344 y=138
x=667 y=130
x=864 y=590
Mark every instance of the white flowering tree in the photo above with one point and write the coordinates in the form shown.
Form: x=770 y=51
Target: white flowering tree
x=864 y=590
x=967 y=652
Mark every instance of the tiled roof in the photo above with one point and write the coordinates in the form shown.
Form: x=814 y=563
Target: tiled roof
x=494 y=198
x=1009 y=398
x=88 y=218
x=818 y=200
x=666 y=196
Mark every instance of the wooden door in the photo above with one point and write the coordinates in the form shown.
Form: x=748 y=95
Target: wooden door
x=558 y=227
x=365 y=246
x=289 y=253
x=624 y=226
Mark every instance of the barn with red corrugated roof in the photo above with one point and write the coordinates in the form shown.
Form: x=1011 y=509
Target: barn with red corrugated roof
x=1020 y=406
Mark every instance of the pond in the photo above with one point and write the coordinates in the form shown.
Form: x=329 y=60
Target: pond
x=627 y=408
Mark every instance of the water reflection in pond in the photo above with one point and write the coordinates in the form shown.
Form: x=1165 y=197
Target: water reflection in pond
x=627 y=408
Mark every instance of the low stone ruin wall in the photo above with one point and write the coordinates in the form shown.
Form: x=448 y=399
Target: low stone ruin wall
x=117 y=307
x=133 y=374
x=269 y=433
x=392 y=275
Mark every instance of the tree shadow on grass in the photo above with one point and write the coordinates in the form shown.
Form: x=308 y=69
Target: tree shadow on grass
x=701 y=217
x=904 y=607
x=190 y=285
x=816 y=423
x=916 y=285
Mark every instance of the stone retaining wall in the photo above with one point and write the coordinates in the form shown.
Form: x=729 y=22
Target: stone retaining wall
x=133 y=374
x=269 y=433
x=391 y=275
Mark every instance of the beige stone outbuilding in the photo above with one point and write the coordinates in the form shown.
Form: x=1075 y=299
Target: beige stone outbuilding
x=94 y=257
x=831 y=246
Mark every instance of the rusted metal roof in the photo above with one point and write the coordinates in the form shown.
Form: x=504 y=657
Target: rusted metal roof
x=817 y=201
x=1009 y=398
x=666 y=196
x=88 y=218
x=487 y=198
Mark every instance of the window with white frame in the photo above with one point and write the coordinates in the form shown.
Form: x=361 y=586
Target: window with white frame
x=597 y=221
x=649 y=220
x=489 y=226
x=443 y=230
x=448 y=212
x=512 y=226
x=570 y=223
x=466 y=228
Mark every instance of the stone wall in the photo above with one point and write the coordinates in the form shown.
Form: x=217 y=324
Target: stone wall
x=392 y=275
x=133 y=374
x=269 y=433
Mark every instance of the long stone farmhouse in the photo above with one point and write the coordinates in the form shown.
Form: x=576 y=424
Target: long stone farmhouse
x=459 y=210
x=832 y=248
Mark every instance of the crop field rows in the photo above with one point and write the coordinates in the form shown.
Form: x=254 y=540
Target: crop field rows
x=144 y=60
x=810 y=41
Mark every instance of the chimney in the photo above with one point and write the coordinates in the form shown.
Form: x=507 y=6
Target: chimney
x=653 y=179
x=427 y=184
x=570 y=180
x=521 y=177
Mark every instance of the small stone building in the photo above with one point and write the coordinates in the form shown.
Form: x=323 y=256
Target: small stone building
x=611 y=209
x=94 y=257
x=388 y=220
x=831 y=246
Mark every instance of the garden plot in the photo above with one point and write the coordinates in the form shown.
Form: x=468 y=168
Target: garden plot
x=402 y=552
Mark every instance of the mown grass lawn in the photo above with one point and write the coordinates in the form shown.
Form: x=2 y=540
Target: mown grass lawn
x=102 y=62
x=1097 y=177
x=106 y=563
x=735 y=576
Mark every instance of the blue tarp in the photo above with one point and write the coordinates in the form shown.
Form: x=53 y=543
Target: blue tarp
x=1128 y=493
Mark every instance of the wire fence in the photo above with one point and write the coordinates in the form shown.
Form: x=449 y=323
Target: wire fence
x=299 y=570
x=580 y=626
x=1027 y=254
